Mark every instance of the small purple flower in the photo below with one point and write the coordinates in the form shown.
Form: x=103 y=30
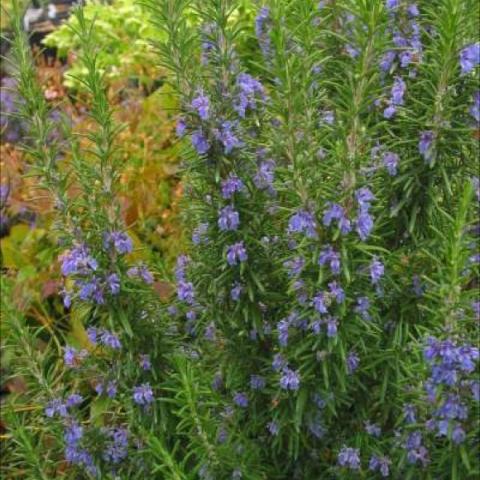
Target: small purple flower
x=143 y=394
x=181 y=127
x=200 y=142
x=109 y=339
x=201 y=104
x=240 y=399
x=231 y=185
x=113 y=282
x=458 y=435
x=290 y=379
x=377 y=270
x=78 y=261
x=279 y=362
x=382 y=464
x=264 y=177
x=470 y=57
x=72 y=356
x=398 y=91
x=318 y=302
x=425 y=145
x=294 y=266
x=250 y=89
x=389 y=112
x=387 y=61
x=329 y=255
x=328 y=117
x=120 y=240
x=226 y=135
x=390 y=161
x=74 y=399
x=337 y=291
x=236 y=253
x=186 y=292
x=141 y=272
x=236 y=291
x=353 y=361
x=409 y=412
x=303 y=221
x=199 y=234
x=392 y=4
x=145 y=362
x=273 y=428
x=54 y=407
x=364 y=224
x=372 y=429
x=349 y=458
x=257 y=382
x=92 y=334
x=336 y=212
x=228 y=218
x=332 y=327
x=475 y=108
x=262 y=30
x=363 y=304
x=282 y=327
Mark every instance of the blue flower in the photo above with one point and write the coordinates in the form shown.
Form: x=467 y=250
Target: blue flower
x=390 y=161
x=236 y=253
x=425 y=145
x=143 y=394
x=200 y=142
x=201 y=104
x=240 y=399
x=257 y=382
x=290 y=379
x=382 y=464
x=228 y=218
x=231 y=185
x=353 y=361
x=470 y=57
x=303 y=221
x=349 y=458
x=377 y=270
x=329 y=255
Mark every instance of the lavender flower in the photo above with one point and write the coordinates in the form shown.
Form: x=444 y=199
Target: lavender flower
x=425 y=145
x=236 y=253
x=273 y=427
x=353 y=361
x=186 y=292
x=264 y=177
x=250 y=90
x=303 y=221
x=409 y=412
x=199 y=234
x=329 y=255
x=240 y=399
x=201 y=104
x=117 y=448
x=200 y=142
x=318 y=302
x=372 y=429
x=377 y=270
x=262 y=30
x=363 y=304
x=382 y=464
x=145 y=362
x=349 y=458
x=109 y=339
x=390 y=161
x=120 y=240
x=336 y=291
x=73 y=400
x=56 y=407
x=257 y=382
x=228 y=218
x=332 y=327
x=231 y=185
x=387 y=61
x=113 y=282
x=336 y=212
x=141 y=272
x=470 y=57
x=225 y=134
x=143 y=394
x=398 y=91
x=475 y=108
x=279 y=362
x=181 y=127
x=72 y=356
x=78 y=261
x=290 y=379
x=294 y=266
x=282 y=327
x=235 y=292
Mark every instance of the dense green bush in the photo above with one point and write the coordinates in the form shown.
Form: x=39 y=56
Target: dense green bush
x=326 y=316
